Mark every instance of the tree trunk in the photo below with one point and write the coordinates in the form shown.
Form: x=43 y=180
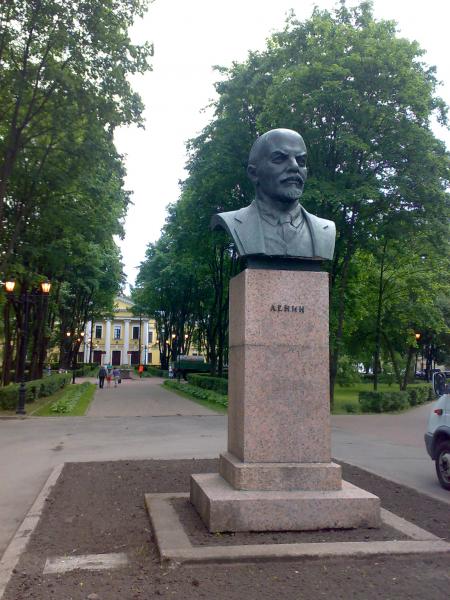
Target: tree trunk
x=376 y=357
x=408 y=366
x=394 y=361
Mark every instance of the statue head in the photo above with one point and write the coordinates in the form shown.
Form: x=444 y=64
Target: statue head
x=277 y=167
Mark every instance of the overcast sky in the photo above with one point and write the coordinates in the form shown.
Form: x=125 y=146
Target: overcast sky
x=189 y=37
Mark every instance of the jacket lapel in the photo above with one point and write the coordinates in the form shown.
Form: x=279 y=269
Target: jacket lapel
x=247 y=227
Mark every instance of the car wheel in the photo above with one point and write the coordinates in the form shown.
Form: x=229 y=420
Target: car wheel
x=443 y=464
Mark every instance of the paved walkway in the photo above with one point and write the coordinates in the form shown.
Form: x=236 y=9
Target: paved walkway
x=143 y=420
x=144 y=397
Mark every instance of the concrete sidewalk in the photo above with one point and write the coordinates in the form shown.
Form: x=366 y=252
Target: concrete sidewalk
x=137 y=420
x=144 y=397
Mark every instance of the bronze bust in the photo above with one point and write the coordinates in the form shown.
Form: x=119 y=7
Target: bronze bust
x=275 y=223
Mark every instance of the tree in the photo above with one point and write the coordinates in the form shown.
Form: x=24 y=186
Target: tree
x=59 y=60
x=63 y=90
x=363 y=100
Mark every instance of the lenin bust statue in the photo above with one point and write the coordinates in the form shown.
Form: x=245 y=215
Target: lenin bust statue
x=275 y=224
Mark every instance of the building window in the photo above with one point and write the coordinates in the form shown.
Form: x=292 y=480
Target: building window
x=135 y=332
x=98 y=332
x=150 y=357
x=150 y=337
x=117 y=331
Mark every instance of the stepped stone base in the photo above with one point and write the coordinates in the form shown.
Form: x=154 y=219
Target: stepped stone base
x=223 y=508
x=279 y=476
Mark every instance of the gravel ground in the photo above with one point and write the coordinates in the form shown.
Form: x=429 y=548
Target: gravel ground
x=99 y=507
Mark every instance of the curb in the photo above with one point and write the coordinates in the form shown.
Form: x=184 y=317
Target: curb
x=21 y=538
x=175 y=547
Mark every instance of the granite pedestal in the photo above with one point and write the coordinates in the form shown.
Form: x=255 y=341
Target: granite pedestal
x=277 y=473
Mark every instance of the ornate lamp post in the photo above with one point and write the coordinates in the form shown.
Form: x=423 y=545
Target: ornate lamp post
x=25 y=298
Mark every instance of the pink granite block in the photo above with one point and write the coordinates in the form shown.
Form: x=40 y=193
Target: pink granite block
x=279 y=307
x=279 y=476
x=277 y=418
x=224 y=509
x=278 y=376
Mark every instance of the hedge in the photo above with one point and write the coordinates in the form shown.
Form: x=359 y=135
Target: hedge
x=208 y=382
x=9 y=395
x=377 y=402
x=152 y=372
x=419 y=394
x=196 y=392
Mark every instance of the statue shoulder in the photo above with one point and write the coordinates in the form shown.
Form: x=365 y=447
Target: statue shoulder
x=222 y=220
x=322 y=224
x=227 y=219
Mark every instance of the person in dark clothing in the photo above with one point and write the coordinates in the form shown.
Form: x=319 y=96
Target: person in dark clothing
x=101 y=377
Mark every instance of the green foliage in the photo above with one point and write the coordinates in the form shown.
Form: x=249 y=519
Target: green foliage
x=72 y=401
x=347 y=372
x=378 y=402
x=364 y=101
x=9 y=395
x=197 y=393
x=419 y=394
x=155 y=372
x=64 y=88
x=217 y=384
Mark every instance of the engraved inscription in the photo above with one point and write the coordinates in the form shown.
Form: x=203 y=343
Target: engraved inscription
x=287 y=308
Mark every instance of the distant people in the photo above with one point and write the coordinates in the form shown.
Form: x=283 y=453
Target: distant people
x=170 y=372
x=101 y=376
x=116 y=376
x=439 y=383
x=109 y=375
x=140 y=370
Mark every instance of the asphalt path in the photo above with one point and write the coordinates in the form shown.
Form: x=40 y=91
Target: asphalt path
x=141 y=420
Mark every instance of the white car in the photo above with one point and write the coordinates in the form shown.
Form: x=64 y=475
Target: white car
x=437 y=437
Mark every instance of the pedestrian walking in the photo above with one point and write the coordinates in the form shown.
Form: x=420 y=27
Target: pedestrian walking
x=109 y=376
x=101 y=377
x=116 y=376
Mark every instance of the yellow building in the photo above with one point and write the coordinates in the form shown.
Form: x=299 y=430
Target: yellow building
x=122 y=339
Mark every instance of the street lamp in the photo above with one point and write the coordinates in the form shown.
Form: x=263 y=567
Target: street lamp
x=417 y=336
x=25 y=298
x=75 y=352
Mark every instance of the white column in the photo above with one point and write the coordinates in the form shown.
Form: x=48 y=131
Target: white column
x=126 y=342
x=108 y=342
x=87 y=337
x=144 y=342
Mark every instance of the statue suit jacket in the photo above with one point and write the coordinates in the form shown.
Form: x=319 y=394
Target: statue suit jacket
x=245 y=228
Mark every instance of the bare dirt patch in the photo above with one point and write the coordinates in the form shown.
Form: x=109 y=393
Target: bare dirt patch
x=99 y=508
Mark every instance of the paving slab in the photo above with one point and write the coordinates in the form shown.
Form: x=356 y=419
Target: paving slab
x=144 y=397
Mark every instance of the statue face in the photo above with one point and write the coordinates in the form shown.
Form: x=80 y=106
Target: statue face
x=280 y=170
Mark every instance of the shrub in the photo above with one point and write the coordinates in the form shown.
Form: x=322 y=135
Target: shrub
x=419 y=394
x=208 y=382
x=196 y=392
x=154 y=372
x=9 y=395
x=377 y=402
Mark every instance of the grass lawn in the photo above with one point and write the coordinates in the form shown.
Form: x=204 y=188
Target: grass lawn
x=345 y=398
x=70 y=401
